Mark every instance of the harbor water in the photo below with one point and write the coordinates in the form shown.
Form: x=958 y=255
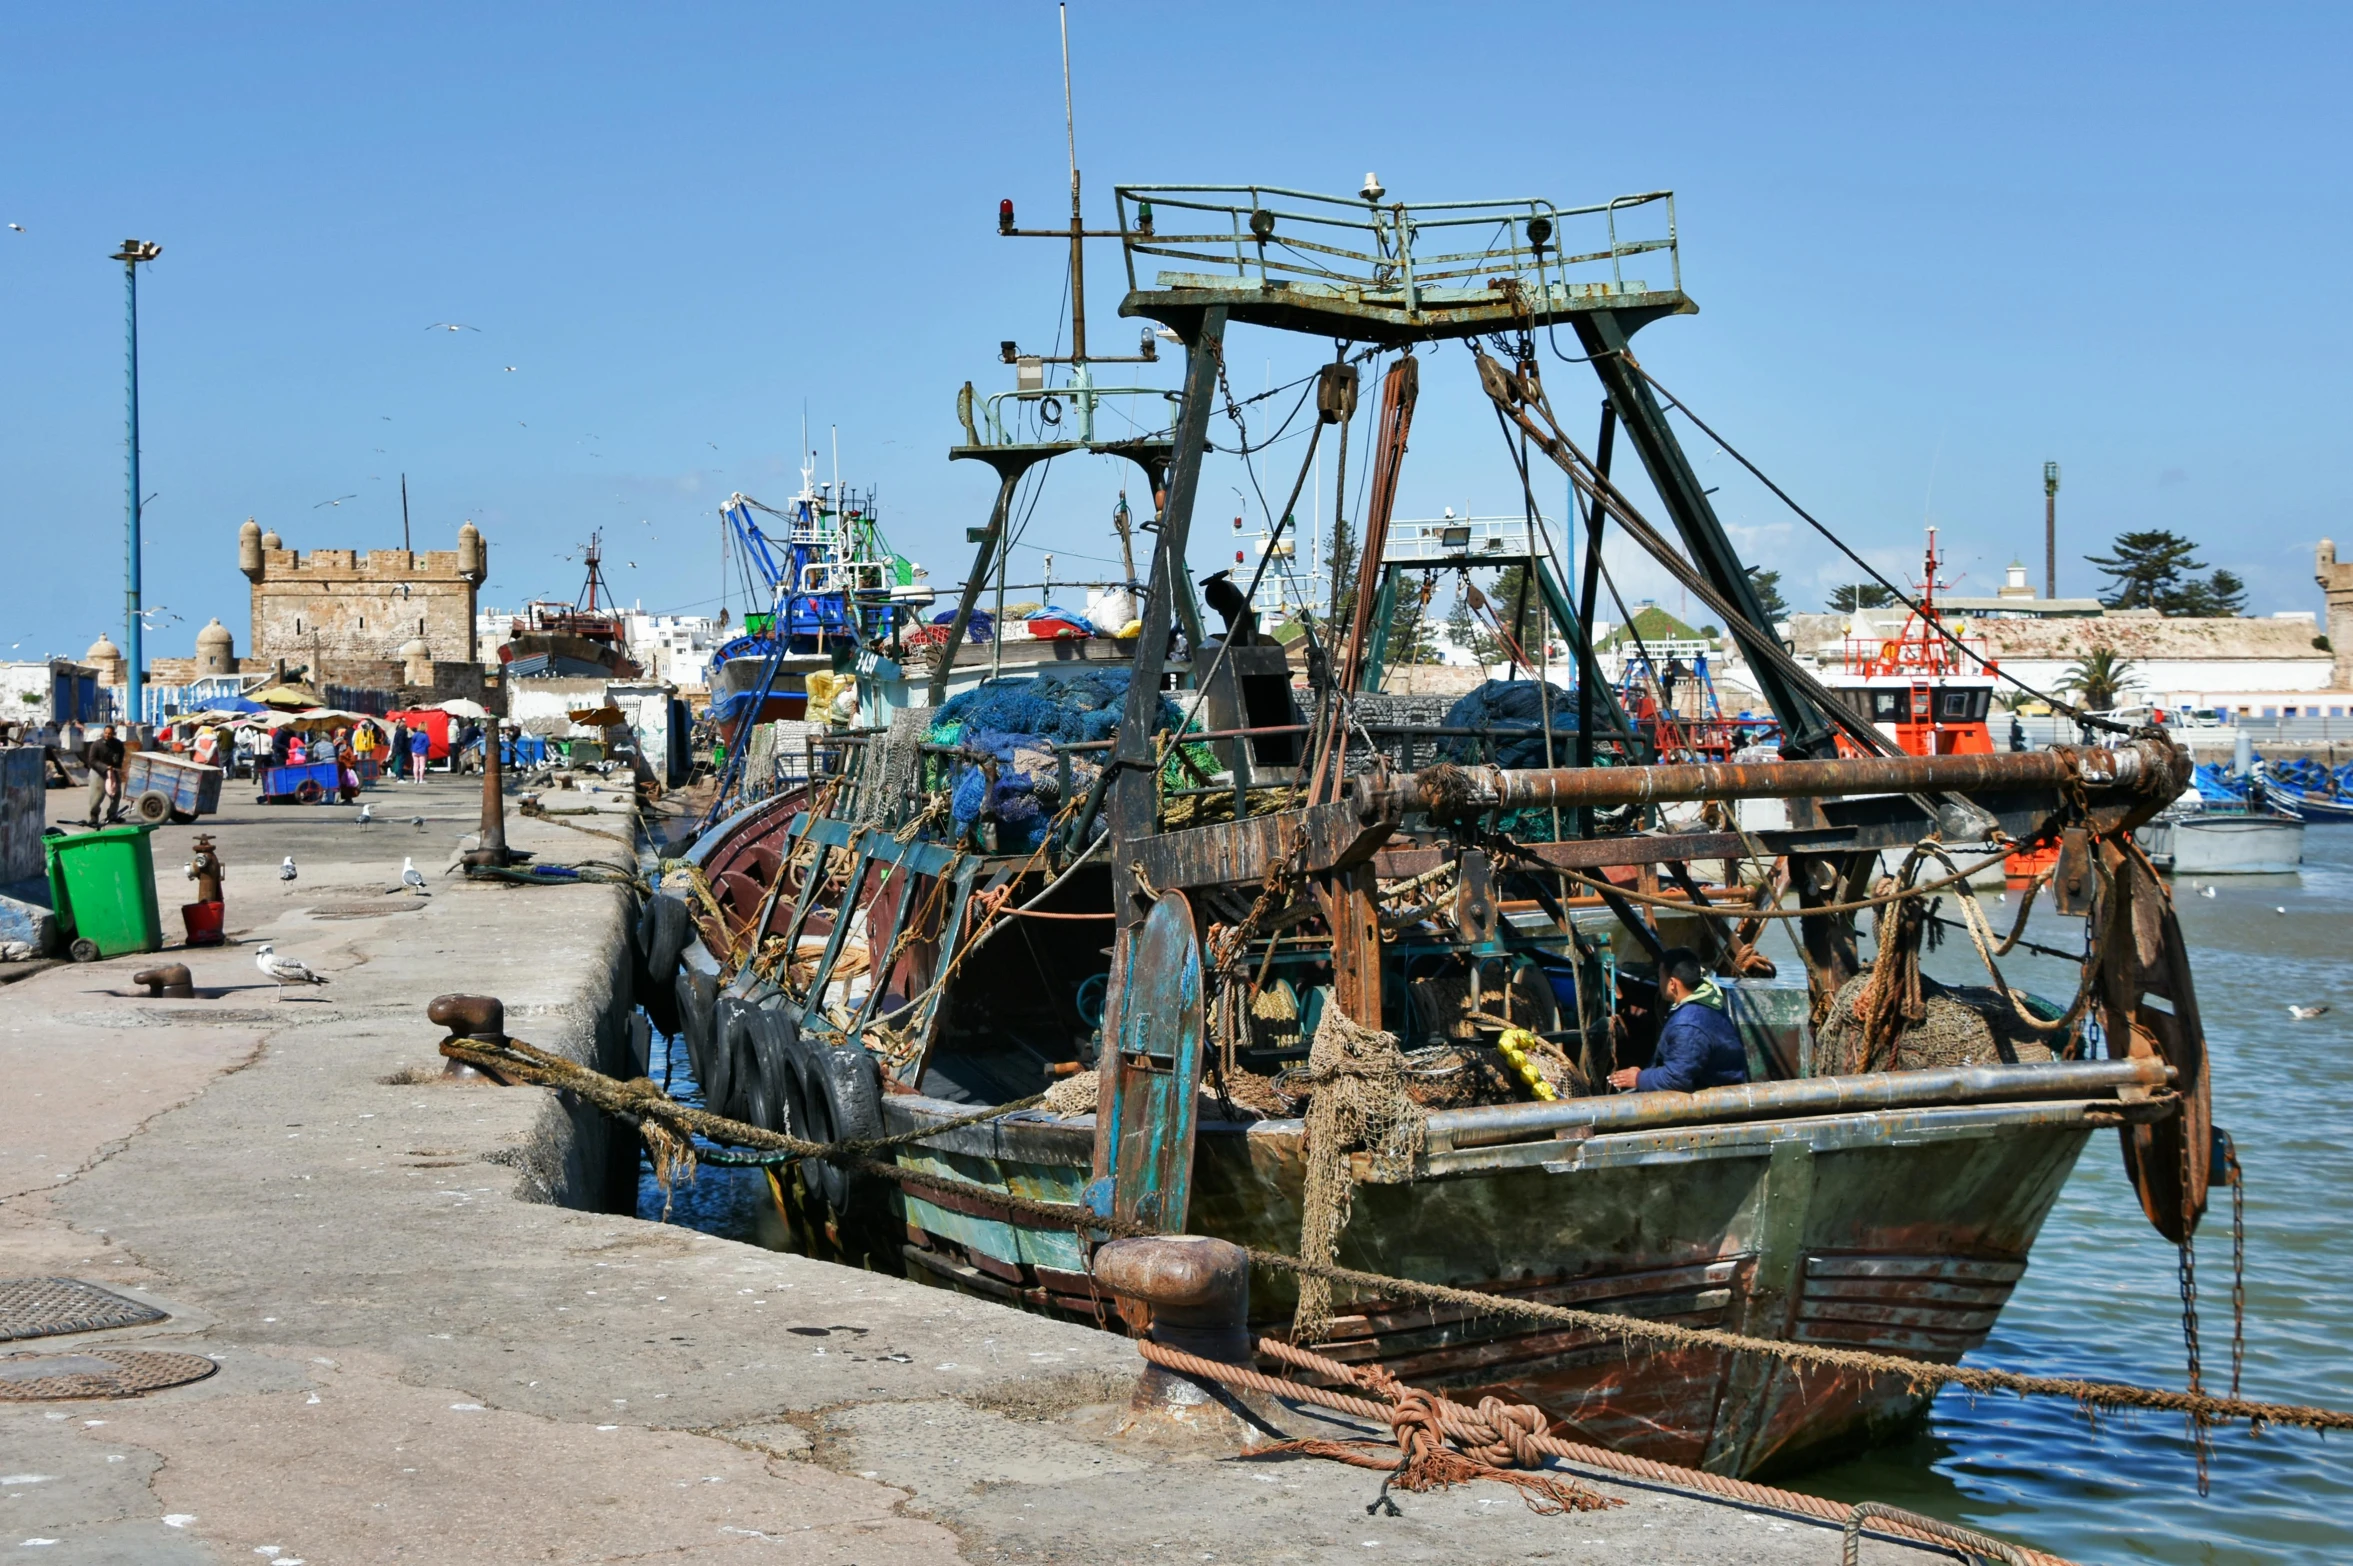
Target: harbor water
x=2101 y=1297
x=2101 y=1300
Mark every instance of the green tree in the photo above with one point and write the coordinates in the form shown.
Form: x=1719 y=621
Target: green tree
x=1412 y=627
x=2098 y=679
x=2154 y=569
x=1463 y=631
x=1768 y=588
x=1850 y=596
x=1343 y=558
x=2218 y=597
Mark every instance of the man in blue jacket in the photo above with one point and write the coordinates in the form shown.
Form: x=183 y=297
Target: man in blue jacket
x=1698 y=1045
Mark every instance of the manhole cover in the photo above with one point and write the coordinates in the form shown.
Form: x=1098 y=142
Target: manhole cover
x=43 y=1307
x=39 y=1378
x=366 y=910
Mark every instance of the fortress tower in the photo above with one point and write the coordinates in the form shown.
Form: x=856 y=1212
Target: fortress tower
x=351 y=615
x=2336 y=586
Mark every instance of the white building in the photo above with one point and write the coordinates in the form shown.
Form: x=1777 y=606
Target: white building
x=675 y=648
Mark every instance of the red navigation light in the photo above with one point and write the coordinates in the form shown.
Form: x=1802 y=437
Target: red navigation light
x=1237 y=557
x=1005 y=216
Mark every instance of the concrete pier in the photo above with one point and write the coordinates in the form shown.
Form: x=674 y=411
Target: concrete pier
x=434 y=1348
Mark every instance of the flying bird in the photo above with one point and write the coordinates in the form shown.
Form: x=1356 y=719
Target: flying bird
x=2279 y=910
x=452 y=326
x=337 y=501
x=413 y=878
x=510 y=369
x=2206 y=891
x=367 y=814
x=286 y=872
x=283 y=971
x=19 y=227
x=2307 y=1013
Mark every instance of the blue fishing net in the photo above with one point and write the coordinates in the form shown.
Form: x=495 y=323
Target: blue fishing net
x=1512 y=712
x=1017 y=722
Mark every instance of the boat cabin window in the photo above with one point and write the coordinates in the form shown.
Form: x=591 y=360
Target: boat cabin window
x=1963 y=706
x=1891 y=706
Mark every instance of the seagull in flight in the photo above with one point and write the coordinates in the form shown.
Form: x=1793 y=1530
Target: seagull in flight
x=337 y=501
x=283 y=970
x=452 y=326
x=510 y=369
x=19 y=227
x=413 y=878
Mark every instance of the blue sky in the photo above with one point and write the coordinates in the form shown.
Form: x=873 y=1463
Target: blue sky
x=1932 y=248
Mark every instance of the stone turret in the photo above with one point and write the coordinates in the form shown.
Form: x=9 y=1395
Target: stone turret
x=271 y=540
x=249 y=550
x=473 y=554
x=416 y=662
x=2336 y=586
x=107 y=659
x=216 y=649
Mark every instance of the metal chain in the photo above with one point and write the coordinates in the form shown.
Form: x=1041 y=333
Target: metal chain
x=2186 y=1274
x=2238 y=1257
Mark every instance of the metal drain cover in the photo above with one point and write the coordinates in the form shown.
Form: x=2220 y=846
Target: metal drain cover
x=44 y=1307
x=41 y=1378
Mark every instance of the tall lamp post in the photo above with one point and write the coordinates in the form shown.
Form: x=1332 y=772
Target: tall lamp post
x=132 y=253
x=2050 y=530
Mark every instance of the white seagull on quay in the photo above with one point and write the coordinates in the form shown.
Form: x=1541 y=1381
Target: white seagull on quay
x=283 y=970
x=413 y=878
x=367 y=813
x=286 y=870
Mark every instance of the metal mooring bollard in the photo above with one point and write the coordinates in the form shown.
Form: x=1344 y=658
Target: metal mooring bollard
x=481 y=1017
x=172 y=980
x=1192 y=1293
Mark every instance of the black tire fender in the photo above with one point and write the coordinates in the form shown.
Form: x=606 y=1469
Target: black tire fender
x=697 y=992
x=772 y=1045
x=726 y=1047
x=841 y=1088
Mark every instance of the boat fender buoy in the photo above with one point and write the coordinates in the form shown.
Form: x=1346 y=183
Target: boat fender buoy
x=841 y=1089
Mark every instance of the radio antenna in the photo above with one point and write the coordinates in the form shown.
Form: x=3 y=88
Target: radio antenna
x=1069 y=123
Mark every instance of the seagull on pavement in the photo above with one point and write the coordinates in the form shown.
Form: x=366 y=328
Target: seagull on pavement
x=283 y=970
x=413 y=878
x=418 y=822
x=286 y=870
x=2307 y=1013
x=367 y=813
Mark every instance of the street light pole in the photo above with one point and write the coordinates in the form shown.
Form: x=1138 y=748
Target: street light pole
x=132 y=253
x=2050 y=530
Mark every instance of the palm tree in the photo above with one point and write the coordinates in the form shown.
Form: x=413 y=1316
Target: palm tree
x=2098 y=679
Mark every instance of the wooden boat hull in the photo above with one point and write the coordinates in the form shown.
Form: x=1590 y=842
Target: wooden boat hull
x=1901 y=1230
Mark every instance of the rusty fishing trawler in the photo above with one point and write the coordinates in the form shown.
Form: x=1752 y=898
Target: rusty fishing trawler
x=1266 y=959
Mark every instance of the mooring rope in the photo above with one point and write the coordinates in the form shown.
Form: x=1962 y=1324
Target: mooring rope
x=1497 y=1436
x=642 y=1101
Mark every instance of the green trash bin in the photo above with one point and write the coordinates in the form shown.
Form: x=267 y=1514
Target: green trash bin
x=103 y=887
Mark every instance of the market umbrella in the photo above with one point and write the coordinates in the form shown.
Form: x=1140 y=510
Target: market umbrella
x=291 y=694
x=459 y=707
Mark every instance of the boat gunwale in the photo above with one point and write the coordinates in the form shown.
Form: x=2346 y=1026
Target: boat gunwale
x=1732 y=1109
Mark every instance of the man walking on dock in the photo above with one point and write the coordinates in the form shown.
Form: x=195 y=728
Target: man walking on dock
x=1698 y=1045
x=105 y=759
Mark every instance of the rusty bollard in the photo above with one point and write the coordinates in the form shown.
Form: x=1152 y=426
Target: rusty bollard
x=1189 y=1292
x=172 y=980
x=482 y=1017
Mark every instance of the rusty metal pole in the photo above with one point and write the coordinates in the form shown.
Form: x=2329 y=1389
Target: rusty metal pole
x=492 y=848
x=2145 y=765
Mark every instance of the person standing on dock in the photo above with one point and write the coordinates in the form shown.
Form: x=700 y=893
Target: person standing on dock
x=420 y=746
x=1698 y=1045
x=105 y=758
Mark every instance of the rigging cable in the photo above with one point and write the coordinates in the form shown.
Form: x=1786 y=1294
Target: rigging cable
x=1989 y=665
